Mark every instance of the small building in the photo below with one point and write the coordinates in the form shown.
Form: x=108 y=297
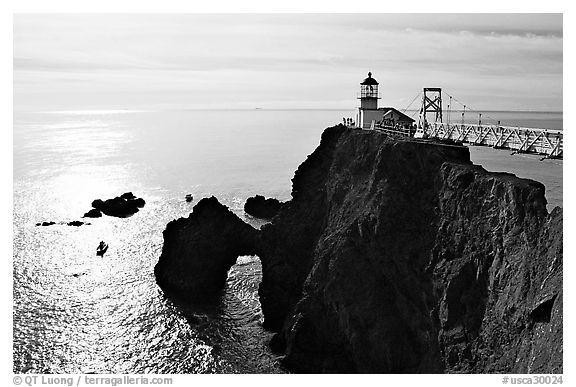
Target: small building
x=369 y=113
x=392 y=117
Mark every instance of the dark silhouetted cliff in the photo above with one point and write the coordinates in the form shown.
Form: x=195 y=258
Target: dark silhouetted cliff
x=394 y=255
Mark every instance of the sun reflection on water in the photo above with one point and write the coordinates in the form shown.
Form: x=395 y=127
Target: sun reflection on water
x=75 y=312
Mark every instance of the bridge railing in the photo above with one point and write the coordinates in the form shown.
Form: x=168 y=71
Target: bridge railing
x=396 y=130
x=525 y=140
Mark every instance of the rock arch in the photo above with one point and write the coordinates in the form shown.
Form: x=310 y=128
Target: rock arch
x=199 y=250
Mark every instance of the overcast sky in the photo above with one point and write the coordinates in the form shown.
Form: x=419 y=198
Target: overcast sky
x=488 y=61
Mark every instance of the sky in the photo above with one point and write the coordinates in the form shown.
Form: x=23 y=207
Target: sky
x=284 y=61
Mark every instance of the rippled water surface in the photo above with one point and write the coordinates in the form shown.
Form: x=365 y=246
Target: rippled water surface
x=75 y=312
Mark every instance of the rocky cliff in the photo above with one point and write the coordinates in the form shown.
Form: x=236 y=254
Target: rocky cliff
x=394 y=255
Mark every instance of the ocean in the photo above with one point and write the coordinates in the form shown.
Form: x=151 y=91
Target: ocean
x=75 y=312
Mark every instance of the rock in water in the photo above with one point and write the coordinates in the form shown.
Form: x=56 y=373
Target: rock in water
x=139 y=202
x=76 y=223
x=199 y=250
x=93 y=213
x=393 y=256
x=121 y=206
x=45 y=224
x=128 y=196
x=260 y=207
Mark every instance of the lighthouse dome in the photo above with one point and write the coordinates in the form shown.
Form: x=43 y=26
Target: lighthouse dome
x=369 y=80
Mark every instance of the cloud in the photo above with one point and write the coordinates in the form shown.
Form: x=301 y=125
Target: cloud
x=306 y=57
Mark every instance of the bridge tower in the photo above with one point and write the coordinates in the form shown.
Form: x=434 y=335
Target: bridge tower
x=431 y=103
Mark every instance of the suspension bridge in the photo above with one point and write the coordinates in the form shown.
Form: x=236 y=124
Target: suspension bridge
x=433 y=123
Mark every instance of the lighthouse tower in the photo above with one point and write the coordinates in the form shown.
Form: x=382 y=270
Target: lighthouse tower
x=368 y=110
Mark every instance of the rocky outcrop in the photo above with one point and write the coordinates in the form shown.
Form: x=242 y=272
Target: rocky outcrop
x=46 y=224
x=75 y=223
x=199 y=250
x=121 y=206
x=394 y=255
x=260 y=207
x=93 y=213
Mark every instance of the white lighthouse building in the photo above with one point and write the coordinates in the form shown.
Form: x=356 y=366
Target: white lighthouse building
x=368 y=110
x=369 y=113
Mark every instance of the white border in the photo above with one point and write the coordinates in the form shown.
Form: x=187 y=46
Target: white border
x=261 y=6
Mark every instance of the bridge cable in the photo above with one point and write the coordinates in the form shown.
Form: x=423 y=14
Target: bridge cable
x=470 y=109
x=415 y=98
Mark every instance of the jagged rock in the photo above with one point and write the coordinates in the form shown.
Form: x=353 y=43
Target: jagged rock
x=76 y=223
x=394 y=255
x=45 y=224
x=139 y=202
x=260 y=207
x=121 y=206
x=199 y=250
x=93 y=213
x=128 y=196
x=72 y=223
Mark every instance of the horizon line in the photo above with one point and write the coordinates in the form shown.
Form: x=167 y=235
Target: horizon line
x=127 y=111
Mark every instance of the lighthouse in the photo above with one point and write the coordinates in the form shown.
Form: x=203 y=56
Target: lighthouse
x=368 y=110
x=371 y=116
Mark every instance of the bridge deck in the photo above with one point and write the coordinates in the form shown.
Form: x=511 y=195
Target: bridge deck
x=523 y=140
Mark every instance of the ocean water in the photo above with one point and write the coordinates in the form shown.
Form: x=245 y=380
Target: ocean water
x=78 y=313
